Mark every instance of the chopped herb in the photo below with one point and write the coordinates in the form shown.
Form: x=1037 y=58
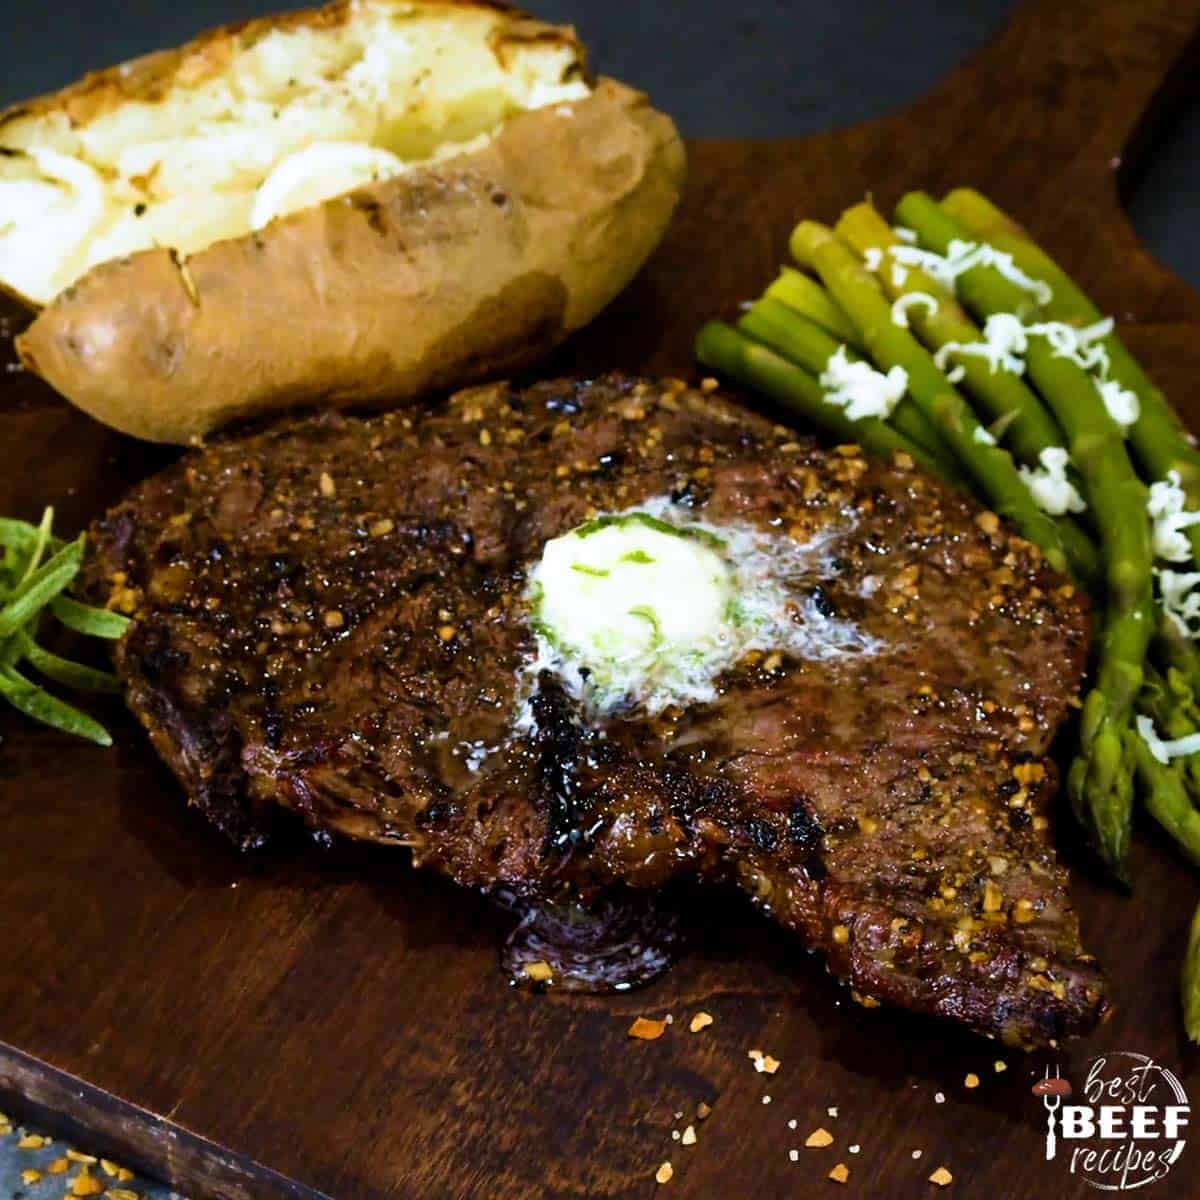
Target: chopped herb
x=637 y=556
x=648 y=614
x=641 y=518
x=584 y=569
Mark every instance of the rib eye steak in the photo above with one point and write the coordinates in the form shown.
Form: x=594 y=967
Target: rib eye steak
x=332 y=616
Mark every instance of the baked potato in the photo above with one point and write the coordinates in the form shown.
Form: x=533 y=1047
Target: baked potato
x=351 y=205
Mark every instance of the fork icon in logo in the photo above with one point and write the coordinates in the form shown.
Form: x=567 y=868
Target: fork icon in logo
x=1052 y=1092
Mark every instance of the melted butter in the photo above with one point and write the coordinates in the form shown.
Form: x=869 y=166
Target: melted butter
x=628 y=594
x=646 y=608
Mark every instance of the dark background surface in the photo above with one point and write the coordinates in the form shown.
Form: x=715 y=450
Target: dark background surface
x=722 y=68
x=745 y=68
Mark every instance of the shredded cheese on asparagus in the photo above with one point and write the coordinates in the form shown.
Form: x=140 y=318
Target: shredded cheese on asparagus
x=911 y=300
x=984 y=436
x=1170 y=518
x=1165 y=751
x=860 y=389
x=1122 y=404
x=1005 y=337
x=1177 y=590
x=1004 y=343
x=966 y=256
x=1049 y=486
x=1179 y=599
x=1081 y=346
x=906 y=235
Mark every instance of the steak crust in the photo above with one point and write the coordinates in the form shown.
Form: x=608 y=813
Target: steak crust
x=329 y=618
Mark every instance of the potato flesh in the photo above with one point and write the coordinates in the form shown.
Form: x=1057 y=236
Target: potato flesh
x=305 y=111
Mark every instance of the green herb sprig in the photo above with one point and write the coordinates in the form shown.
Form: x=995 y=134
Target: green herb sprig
x=35 y=570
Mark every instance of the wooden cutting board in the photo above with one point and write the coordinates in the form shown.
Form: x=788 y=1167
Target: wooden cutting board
x=331 y=1023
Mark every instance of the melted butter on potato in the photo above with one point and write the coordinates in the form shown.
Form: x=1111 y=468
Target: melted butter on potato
x=288 y=119
x=318 y=172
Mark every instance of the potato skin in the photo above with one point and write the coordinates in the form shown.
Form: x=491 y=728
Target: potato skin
x=446 y=275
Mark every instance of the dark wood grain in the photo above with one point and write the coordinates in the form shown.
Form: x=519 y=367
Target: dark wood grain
x=330 y=1022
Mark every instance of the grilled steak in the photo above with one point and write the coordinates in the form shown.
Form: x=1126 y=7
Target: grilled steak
x=331 y=617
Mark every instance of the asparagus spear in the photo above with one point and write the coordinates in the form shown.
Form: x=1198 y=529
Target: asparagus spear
x=1159 y=439
x=1099 y=782
x=729 y=351
x=1177 y=652
x=1028 y=428
x=890 y=345
x=1165 y=796
x=1190 y=981
x=804 y=294
x=1168 y=699
x=775 y=325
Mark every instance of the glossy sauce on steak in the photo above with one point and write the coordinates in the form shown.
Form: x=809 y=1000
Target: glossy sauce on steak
x=331 y=616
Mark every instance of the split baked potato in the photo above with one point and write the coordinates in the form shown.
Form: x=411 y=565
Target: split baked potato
x=350 y=205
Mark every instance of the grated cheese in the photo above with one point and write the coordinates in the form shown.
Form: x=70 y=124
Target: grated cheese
x=860 y=389
x=906 y=235
x=1164 y=751
x=872 y=258
x=911 y=300
x=1049 y=486
x=1081 y=346
x=1122 y=404
x=1179 y=599
x=1004 y=343
x=984 y=436
x=1170 y=518
x=962 y=257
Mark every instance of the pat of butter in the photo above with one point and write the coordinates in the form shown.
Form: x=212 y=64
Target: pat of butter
x=621 y=593
x=647 y=608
